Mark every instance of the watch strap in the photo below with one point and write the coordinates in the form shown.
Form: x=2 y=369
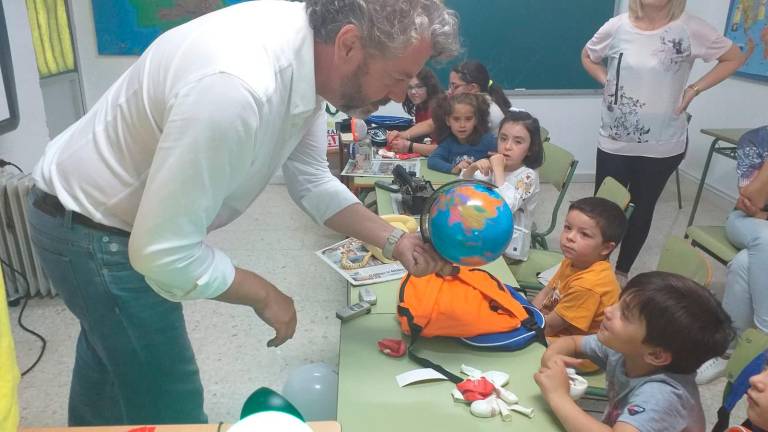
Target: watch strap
x=389 y=245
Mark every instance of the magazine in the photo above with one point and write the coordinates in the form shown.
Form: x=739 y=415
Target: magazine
x=365 y=165
x=353 y=253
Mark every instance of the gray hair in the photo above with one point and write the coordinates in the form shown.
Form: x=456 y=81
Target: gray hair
x=388 y=27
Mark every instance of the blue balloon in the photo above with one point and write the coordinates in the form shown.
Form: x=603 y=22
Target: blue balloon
x=468 y=223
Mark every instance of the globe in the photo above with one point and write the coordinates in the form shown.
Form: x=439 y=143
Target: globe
x=468 y=223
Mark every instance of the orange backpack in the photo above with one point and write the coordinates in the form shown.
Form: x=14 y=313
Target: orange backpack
x=471 y=303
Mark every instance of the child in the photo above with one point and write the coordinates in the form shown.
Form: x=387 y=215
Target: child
x=461 y=127
x=573 y=302
x=650 y=344
x=519 y=153
x=422 y=91
x=757 y=402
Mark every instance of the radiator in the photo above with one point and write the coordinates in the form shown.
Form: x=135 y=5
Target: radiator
x=15 y=246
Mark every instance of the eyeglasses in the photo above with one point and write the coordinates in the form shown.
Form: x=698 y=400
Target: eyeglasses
x=417 y=87
x=455 y=86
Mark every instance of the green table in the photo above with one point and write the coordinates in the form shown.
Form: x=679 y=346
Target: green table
x=370 y=399
x=437 y=178
x=723 y=144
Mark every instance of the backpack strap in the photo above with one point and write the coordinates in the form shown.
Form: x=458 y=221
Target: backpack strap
x=415 y=332
x=736 y=389
x=500 y=294
x=527 y=321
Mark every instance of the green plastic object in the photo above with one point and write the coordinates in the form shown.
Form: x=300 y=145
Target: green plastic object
x=266 y=399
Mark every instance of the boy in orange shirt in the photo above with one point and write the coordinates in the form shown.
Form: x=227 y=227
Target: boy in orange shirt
x=585 y=284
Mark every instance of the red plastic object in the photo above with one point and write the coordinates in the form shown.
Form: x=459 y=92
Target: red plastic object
x=475 y=389
x=392 y=347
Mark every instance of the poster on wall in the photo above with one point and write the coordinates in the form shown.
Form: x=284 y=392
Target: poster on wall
x=9 y=109
x=747 y=27
x=127 y=27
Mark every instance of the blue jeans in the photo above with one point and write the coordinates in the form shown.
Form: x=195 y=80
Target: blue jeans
x=746 y=285
x=134 y=363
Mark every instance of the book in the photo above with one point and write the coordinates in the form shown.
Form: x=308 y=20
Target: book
x=352 y=252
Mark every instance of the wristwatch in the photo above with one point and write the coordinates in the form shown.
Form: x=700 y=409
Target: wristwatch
x=392 y=239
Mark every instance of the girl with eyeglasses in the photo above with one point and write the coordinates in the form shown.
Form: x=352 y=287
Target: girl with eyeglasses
x=421 y=92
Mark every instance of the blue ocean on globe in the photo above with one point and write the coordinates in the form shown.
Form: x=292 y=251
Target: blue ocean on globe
x=470 y=224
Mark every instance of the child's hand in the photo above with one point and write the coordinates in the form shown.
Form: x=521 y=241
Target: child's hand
x=460 y=166
x=483 y=165
x=497 y=162
x=394 y=135
x=399 y=145
x=551 y=358
x=553 y=380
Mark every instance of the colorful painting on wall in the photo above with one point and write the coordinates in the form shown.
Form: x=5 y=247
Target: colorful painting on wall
x=127 y=27
x=747 y=27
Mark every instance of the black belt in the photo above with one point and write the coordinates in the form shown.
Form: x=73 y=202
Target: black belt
x=50 y=205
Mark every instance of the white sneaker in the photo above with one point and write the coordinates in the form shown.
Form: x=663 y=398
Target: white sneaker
x=711 y=370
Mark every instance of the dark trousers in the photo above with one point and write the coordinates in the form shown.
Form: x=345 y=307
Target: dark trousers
x=645 y=178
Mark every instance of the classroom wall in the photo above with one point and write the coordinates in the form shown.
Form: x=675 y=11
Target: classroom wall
x=573 y=121
x=97 y=72
x=24 y=145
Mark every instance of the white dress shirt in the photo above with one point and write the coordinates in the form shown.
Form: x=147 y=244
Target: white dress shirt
x=191 y=134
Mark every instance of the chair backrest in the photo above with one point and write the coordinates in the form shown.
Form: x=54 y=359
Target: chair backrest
x=679 y=257
x=558 y=167
x=614 y=191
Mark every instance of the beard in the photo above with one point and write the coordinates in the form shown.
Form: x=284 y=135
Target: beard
x=353 y=100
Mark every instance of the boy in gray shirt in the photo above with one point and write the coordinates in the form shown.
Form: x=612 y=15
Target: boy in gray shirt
x=650 y=345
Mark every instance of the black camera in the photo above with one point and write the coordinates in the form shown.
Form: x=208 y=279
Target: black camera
x=415 y=191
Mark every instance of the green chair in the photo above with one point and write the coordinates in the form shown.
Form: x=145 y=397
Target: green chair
x=557 y=170
x=526 y=272
x=681 y=258
x=713 y=241
x=612 y=190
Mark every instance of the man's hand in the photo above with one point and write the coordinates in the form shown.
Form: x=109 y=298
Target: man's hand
x=416 y=256
x=278 y=312
x=270 y=304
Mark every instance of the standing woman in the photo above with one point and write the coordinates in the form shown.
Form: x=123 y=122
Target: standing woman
x=422 y=90
x=643 y=135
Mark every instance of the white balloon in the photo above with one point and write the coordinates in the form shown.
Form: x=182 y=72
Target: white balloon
x=313 y=390
x=270 y=421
